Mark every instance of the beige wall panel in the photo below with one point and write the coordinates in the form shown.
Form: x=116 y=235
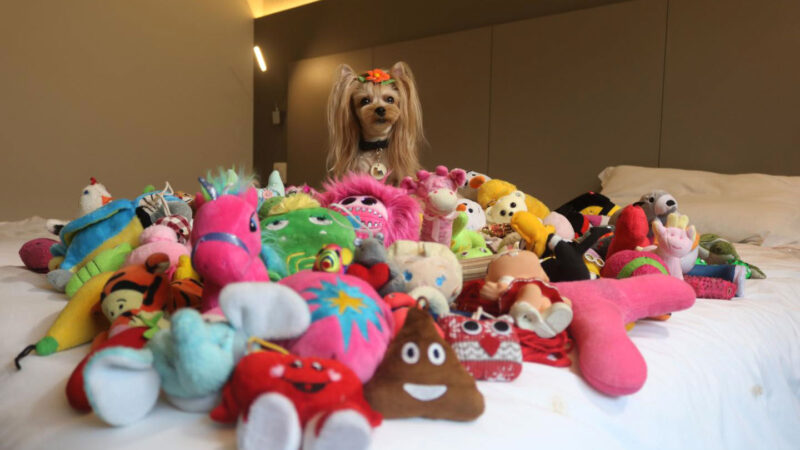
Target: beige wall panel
x=453 y=76
x=732 y=86
x=131 y=93
x=576 y=92
x=310 y=82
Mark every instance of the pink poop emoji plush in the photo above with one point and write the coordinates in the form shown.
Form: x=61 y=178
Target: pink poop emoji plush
x=381 y=209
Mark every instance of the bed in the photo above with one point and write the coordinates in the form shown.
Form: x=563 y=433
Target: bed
x=722 y=374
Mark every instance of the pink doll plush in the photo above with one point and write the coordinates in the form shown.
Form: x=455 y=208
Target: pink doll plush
x=608 y=359
x=158 y=239
x=381 y=209
x=438 y=193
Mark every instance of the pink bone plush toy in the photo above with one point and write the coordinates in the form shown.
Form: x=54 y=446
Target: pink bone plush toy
x=158 y=239
x=608 y=359
x=673 y=242
x=438 y=192
x=226 y=239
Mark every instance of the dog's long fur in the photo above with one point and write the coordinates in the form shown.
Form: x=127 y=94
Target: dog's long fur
x=405 y=136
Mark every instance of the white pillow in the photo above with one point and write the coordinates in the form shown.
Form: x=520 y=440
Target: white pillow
x=753 y=207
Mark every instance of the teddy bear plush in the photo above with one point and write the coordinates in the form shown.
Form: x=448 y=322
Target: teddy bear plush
x=505 y=207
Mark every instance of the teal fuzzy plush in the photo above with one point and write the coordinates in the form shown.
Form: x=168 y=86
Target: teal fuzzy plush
x=294 y=229
x=193 y=359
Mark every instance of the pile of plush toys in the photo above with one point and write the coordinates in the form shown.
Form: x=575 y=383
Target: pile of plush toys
x=308 y=317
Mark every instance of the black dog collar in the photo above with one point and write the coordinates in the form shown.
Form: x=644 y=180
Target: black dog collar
x=367 y=146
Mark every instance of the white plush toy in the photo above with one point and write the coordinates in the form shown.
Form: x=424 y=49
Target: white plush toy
x=94 y=196
x=477 y=217
x=505 y=207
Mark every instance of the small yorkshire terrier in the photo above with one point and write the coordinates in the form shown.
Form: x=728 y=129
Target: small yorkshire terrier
x=375 y=123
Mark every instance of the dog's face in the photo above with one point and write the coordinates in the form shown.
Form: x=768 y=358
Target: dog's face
x=377 y=107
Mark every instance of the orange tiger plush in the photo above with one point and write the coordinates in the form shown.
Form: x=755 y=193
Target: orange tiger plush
x=140 y=295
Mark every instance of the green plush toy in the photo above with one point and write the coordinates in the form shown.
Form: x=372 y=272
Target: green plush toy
x=295 y=228
x=467 y=243
x=109 y=260
x=716 y=250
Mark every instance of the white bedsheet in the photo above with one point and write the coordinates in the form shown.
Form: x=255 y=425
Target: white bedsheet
x=722 y=375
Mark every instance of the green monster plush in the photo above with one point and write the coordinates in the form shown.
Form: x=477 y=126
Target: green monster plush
x=295 y=228
x=716 y=250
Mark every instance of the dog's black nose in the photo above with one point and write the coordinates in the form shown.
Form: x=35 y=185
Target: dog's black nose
x=381 y=111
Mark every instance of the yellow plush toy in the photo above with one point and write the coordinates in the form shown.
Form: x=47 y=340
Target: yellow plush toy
x=493 y=190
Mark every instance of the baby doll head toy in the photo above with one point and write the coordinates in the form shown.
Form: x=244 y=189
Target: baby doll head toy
x=375 y=123
x=517 y=281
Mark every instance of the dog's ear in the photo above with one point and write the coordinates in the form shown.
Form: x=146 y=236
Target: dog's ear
x=400 y=70
x=345 y=71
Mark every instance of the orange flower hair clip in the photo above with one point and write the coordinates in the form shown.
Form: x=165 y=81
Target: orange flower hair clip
x=376 y=76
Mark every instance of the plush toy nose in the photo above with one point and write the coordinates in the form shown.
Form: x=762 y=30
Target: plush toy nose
x=443 y=200
x=490 y=344
x=461 y=207
x=105 y=199
x=381 y=111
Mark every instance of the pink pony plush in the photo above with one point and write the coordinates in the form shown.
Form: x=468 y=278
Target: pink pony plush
x=381 y=209
x=438 y=193
x=674 y=241
x=226 y=238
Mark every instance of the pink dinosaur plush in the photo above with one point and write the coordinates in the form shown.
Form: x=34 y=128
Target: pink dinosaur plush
x=438 y=192
x=158 y=239
x=673 y=242
x=227 y=239
x=608 y=359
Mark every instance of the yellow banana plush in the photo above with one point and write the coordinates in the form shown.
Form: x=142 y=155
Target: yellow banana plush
x=76 y=324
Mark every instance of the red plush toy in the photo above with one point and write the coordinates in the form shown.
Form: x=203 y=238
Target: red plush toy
x=283 y=399
x=631 y=230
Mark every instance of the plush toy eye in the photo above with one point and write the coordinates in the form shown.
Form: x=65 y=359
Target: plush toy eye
x=364 y=101
x=369 y=201
x=348 y=200
x=503 y=212
x=277 y=224
x=253 y=223
x=651 y=199
x=297 y=364
x=471 y=327
x=320 y=220
x=410 y=353
x=502 y=327
x=470 y=210
x=316 y=366
x=408 y=275
x=390 y=99
x=513 y=205
x=436 y=354
x=440 y=280
x=86 y=191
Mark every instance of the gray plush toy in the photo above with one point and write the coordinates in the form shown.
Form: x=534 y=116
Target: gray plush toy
x=370 y=251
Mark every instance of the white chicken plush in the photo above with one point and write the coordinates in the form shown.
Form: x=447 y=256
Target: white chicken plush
x=94 y=196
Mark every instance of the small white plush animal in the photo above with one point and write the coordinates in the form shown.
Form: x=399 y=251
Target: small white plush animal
x=477 y=218
x=94 y=196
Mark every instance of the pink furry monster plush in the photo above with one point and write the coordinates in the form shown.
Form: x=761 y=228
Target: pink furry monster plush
x=381 y=208
x=226 y=239
x=608 y=359
x=438 y=192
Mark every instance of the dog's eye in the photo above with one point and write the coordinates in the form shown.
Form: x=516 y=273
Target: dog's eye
x=390 y=99
x=364 y=101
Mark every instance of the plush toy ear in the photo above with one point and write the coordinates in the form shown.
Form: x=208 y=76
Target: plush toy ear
x=251 y=197
x=423 y=175
x=458 y=176
x=199 y=200
x=441 y=171
x=157 y=263
x=658 y=227
x=408 y=184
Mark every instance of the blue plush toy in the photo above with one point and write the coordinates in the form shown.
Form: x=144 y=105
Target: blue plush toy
x=192 y=360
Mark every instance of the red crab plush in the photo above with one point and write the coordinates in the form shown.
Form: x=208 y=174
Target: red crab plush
x=283 y=399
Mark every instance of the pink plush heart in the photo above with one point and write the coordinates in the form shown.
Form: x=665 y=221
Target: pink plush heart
x=608 y=359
